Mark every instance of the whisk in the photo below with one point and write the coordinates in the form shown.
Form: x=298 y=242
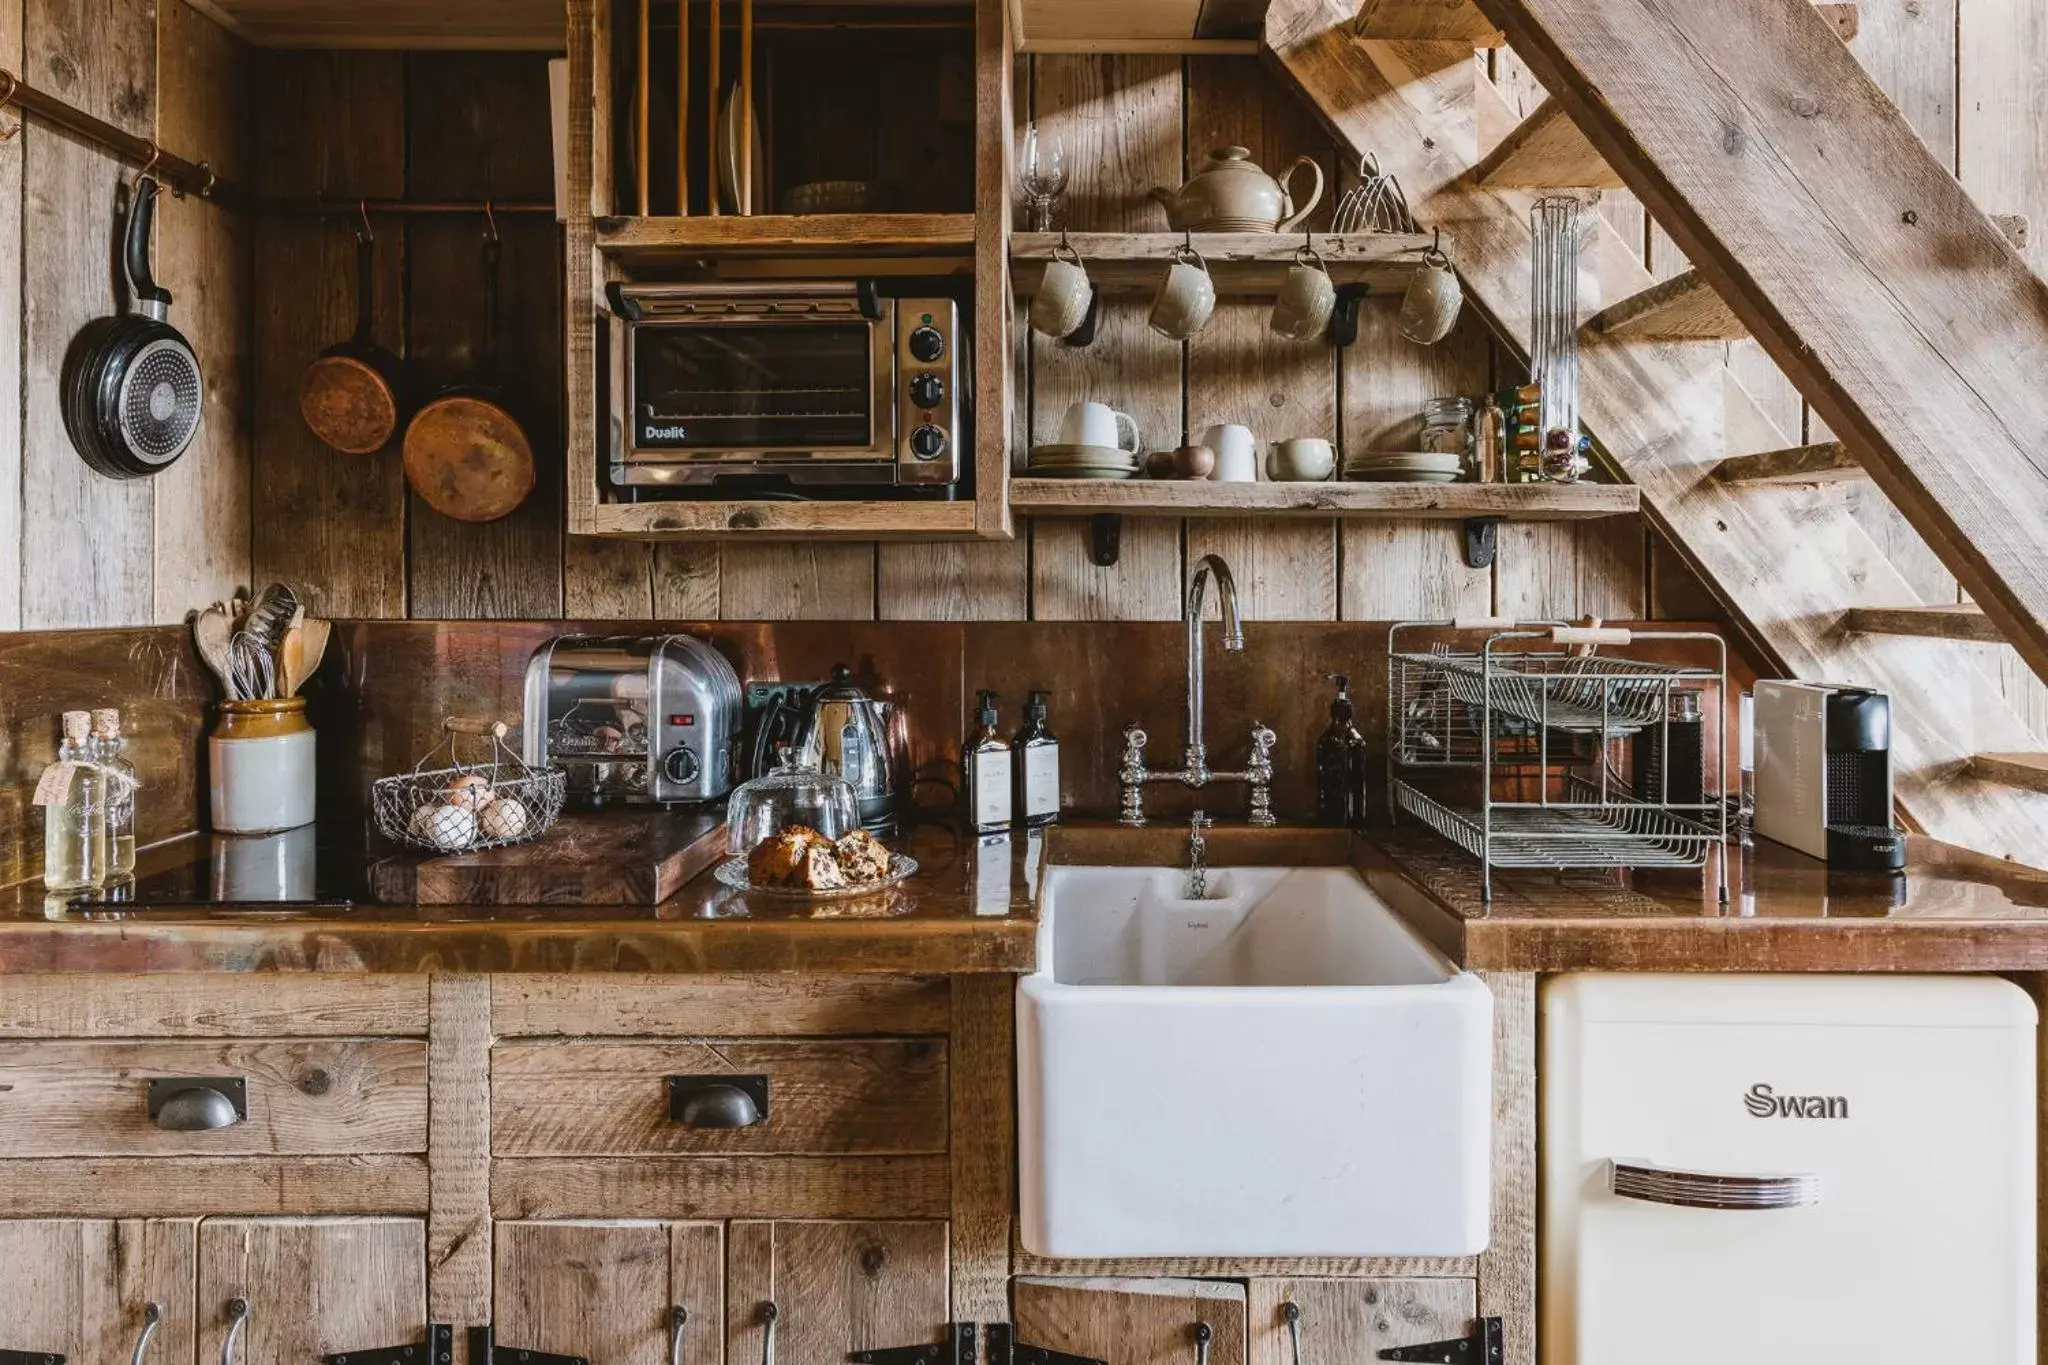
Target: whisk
x=1374 y=204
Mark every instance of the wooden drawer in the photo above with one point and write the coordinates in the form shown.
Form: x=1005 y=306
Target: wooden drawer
x=324 y=1096
x=853 y=1096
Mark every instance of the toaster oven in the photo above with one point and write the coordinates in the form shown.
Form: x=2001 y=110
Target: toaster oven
x=802 y=385
x=634 y=719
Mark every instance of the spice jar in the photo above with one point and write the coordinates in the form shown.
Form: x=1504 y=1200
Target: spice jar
x=261 y=757
x=1447 y=426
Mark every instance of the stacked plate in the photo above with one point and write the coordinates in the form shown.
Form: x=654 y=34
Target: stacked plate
x=1404 y=466
x=1081 y=462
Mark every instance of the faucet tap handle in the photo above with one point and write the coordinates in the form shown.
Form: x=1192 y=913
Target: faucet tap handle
x=1198 y=822
x=1131 y=777
x=1259 y=773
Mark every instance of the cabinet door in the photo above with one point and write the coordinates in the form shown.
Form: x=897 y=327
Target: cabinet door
x=1354 y=1320
x=315 y=1286
x=606 y=1290
x=79 y=1288
x=836 y=1287
x=1132 y=1321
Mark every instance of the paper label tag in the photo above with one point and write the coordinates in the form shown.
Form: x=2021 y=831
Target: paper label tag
x=1042 y=780
x=53 y=788
x=992 y=787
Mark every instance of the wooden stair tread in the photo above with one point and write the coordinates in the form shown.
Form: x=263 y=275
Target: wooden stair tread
x=1826 y=462
x=1682 y=308
x=1962 y=622
x=1545 y=151
x=2026 y=771
x=1450 y=21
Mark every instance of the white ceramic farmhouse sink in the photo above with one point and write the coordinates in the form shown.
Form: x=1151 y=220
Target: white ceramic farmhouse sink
x=1280 y=1069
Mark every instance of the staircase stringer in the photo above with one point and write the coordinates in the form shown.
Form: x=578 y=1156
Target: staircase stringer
x=1787 y=560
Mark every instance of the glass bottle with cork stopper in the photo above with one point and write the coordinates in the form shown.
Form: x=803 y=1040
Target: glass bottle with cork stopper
x=120 y=784
x=72 y=795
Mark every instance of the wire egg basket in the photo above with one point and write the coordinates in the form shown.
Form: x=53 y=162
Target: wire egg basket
x=448 y=805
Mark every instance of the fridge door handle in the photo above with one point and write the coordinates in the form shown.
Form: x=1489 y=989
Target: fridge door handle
x=1710 y=1190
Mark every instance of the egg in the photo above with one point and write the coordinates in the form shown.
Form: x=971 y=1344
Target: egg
x=504 y=818
x=444 y=826
x=471 y=791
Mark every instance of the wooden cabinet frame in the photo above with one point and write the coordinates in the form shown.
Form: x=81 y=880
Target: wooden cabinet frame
x=591 y=180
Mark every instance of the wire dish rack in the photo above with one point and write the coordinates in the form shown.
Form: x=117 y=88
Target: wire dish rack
x=1531 y=749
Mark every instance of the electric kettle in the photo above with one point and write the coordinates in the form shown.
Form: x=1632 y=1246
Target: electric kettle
x=838 y=728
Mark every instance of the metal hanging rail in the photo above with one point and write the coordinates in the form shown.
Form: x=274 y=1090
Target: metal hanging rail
x=349 y=208
x=184 y=177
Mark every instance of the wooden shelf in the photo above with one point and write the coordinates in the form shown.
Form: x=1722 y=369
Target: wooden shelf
x=1200 y=498
x=660 y=240
x=1826 y=462
x=1546 y=151
x=786 y=520
x=1682 y=308
x=2029 y=772
x=1241 y=262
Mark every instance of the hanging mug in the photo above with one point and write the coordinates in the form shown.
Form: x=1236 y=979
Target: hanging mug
x=1186 y=297
x=1430 y=304
x=1307 y=297
x=1061 y=304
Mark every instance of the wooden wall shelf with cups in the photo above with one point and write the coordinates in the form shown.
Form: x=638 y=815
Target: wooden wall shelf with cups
x=638 y=243
x=1205 y=498
x=1243 y=263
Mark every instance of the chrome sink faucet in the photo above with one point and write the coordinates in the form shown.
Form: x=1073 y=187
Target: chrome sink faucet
x=1194 y=772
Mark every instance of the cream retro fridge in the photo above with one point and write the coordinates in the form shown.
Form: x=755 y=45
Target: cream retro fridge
x=1787 y=1169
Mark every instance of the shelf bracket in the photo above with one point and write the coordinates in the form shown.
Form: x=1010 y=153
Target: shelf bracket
x=1084 y=335
x=438 y=1349
x=1482 y=540
x=1483 y=1347
x=1344 y=317
x=1105 y=538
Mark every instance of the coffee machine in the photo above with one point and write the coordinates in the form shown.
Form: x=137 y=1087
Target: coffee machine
x=1824 y=773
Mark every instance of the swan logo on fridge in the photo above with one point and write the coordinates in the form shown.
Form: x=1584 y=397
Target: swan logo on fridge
x=1765 y=1103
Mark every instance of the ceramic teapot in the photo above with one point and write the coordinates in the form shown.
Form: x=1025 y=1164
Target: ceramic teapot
x=1231 y=194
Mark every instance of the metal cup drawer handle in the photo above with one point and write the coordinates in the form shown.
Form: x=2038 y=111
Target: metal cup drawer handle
x=152 y=1315
x=197 y=1104
x=238 y=1315
x=725 y=1101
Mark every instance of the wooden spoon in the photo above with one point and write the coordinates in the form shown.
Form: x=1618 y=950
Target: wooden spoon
x=211 y=631
x=304 y=646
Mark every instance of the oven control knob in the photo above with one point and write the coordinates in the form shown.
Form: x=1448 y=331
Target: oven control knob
x=927 y=344
x=927 y=443
x=680 y=765
x=926 y=390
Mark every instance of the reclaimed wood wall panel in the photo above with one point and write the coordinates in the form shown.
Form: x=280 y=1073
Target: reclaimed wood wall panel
x=333 y=124
x=205 y=256
x=85 y=545
x=477 y=128
x=12 y=504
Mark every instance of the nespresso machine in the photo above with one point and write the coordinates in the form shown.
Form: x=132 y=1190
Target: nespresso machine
x=1824 y=773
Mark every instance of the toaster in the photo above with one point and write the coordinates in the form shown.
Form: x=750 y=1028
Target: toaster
x=640 y=719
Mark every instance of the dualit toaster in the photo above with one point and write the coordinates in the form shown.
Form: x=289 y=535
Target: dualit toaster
x=638 y=719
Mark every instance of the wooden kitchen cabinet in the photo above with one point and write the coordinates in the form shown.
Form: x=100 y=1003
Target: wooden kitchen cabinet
x=836 y=1286
x=1354 y=1320
x=315 y=1286
x=605 y=1290
x=1131 y=1321
x=78 y=1287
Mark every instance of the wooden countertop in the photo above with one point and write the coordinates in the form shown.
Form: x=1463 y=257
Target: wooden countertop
x=971 y=908
x=1951 y=911
x=968 y=909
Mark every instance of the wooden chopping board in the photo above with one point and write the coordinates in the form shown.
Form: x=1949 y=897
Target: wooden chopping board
x=622 y=858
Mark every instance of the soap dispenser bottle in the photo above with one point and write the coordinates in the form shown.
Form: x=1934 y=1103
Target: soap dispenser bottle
x=1035 y=754
x=985 y=763
x=1340 y=763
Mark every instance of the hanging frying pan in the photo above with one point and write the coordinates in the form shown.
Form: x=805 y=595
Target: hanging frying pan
x=350 y=395
x=465 y=454
x=132 y=387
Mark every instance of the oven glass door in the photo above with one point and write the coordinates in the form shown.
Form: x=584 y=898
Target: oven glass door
x=749 y=387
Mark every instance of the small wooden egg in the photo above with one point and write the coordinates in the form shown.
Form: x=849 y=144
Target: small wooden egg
x=1159 y=465
x=444 y=826
x=1194 y=462
x=504 y=818
x=471 y=791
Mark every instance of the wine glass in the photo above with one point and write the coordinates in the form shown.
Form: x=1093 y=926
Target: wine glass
x=1044 y=175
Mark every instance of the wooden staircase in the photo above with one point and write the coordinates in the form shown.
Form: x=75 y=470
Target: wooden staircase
x=1727 y=487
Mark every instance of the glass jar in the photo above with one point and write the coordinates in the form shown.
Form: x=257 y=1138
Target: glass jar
x=789 y=796
x=1447 y=426
x=261 y=757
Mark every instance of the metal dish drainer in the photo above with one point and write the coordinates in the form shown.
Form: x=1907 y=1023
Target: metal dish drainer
x=1538 y=713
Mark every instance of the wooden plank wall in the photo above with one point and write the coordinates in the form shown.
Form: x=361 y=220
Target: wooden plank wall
x=80 y=549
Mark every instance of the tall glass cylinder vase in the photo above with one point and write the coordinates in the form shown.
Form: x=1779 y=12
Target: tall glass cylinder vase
x=1554 y=332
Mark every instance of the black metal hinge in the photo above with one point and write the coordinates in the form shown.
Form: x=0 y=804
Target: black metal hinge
x=959 y=1348
x=484 y=1349
x=437 y=1349
x=1483 y=1347
x=30 y=1358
